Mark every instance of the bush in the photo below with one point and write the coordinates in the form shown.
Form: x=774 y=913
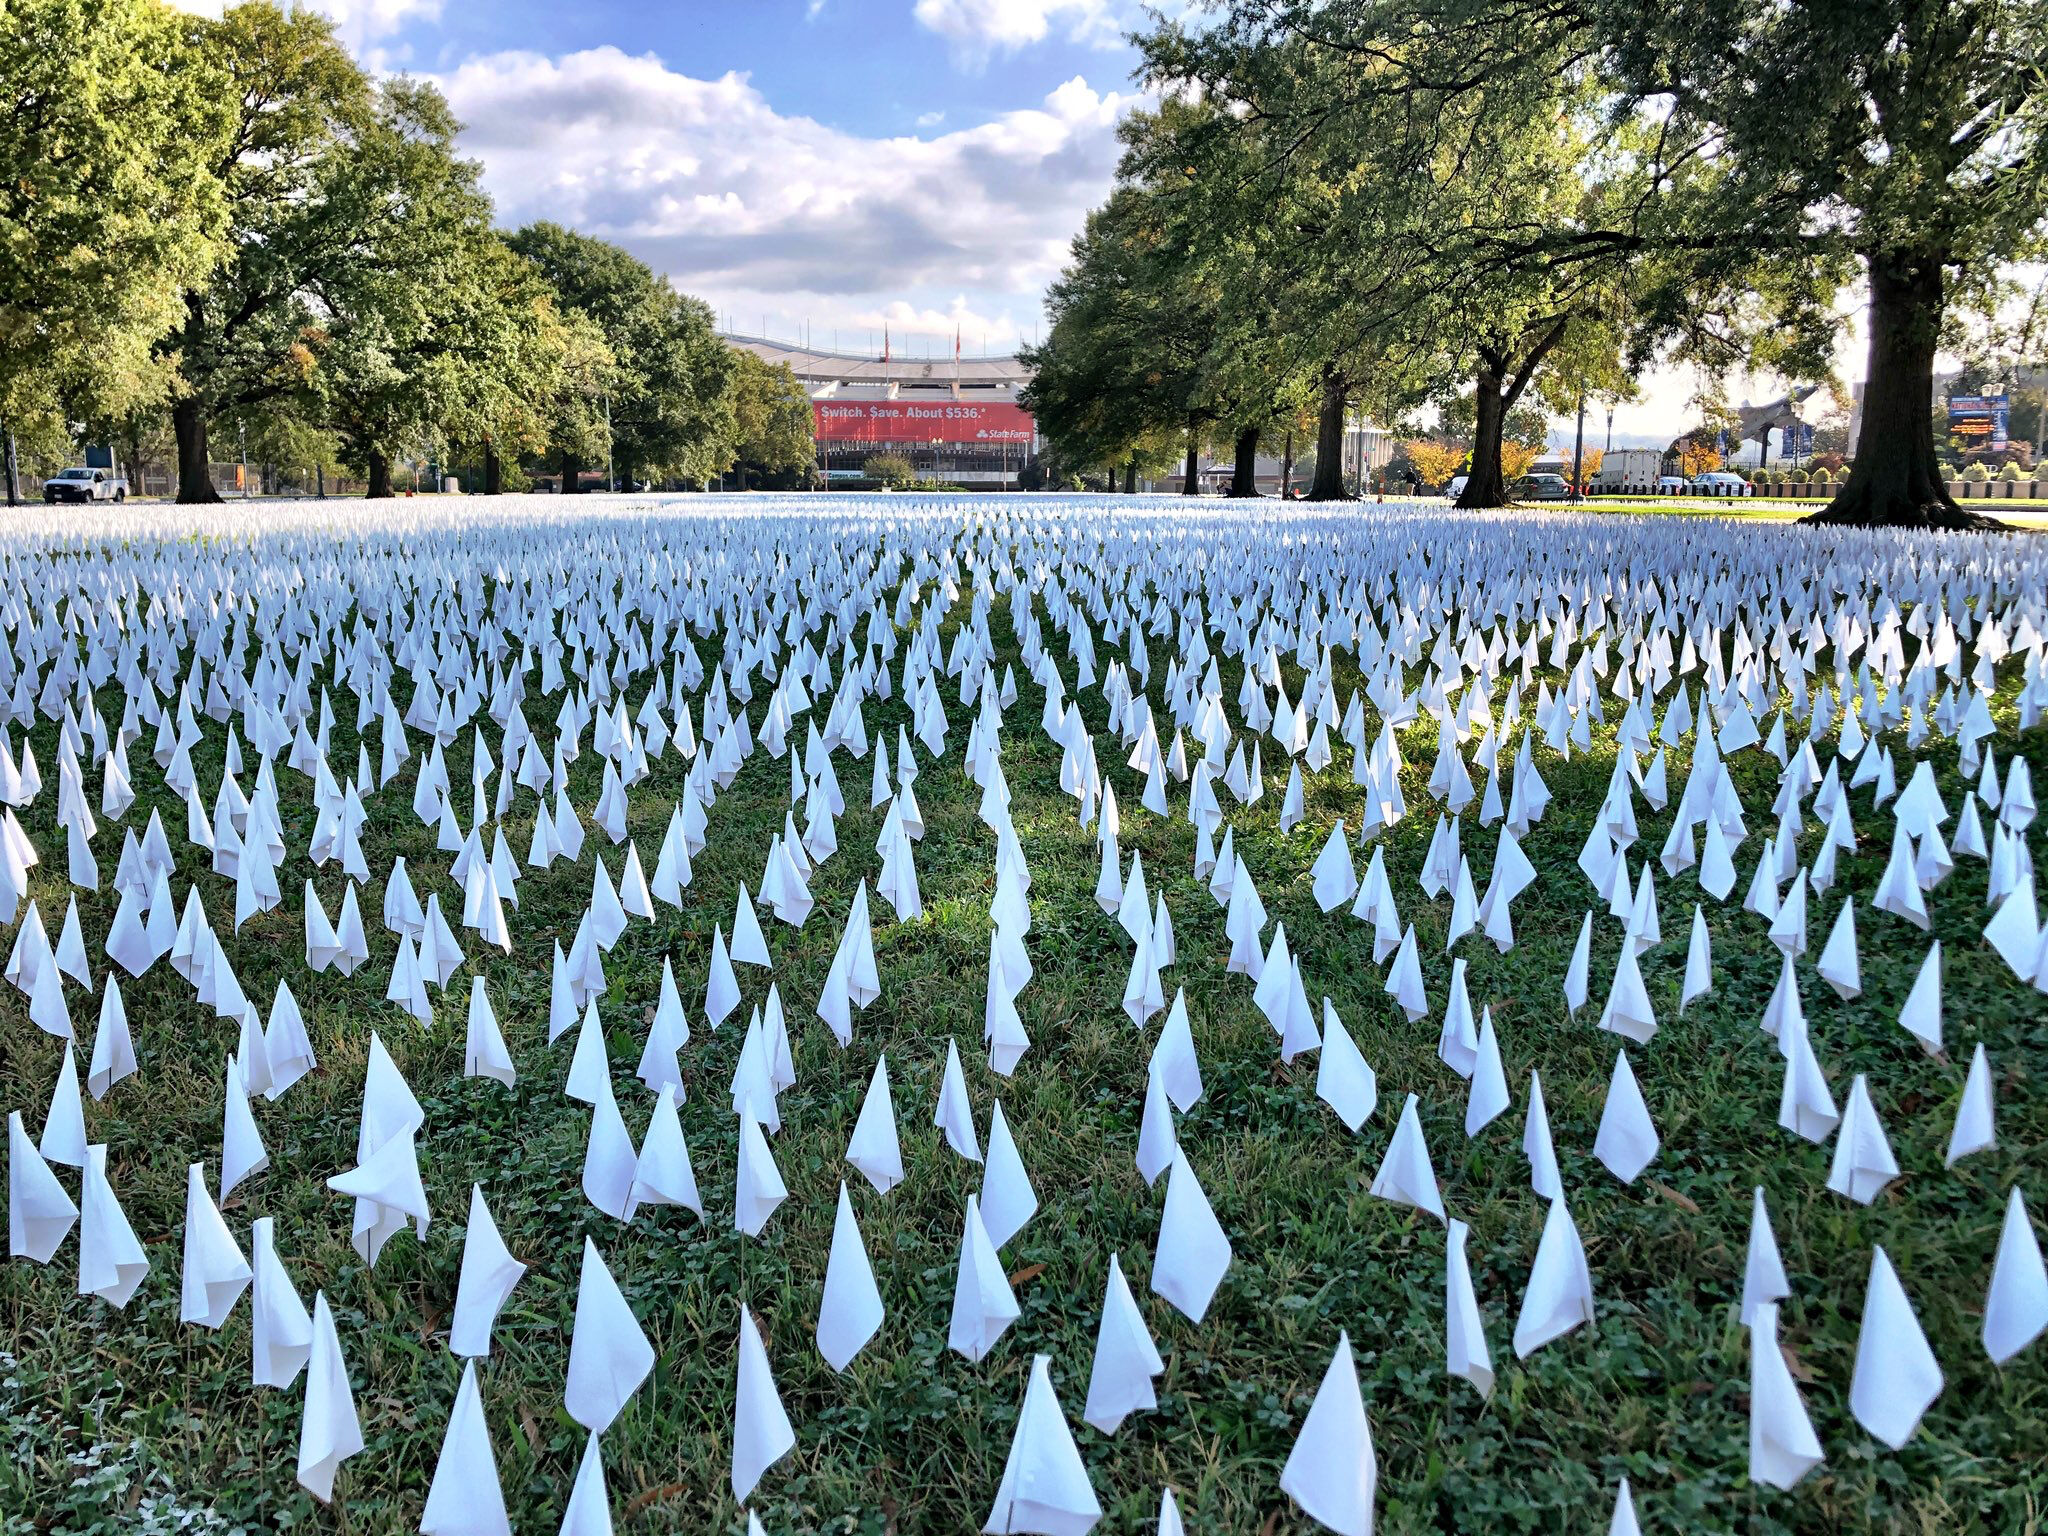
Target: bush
x=2010 y=474
x=1799 y=477
x=2041 y=473
x=1977 y=474
x=890 y=471
x=1822 y=477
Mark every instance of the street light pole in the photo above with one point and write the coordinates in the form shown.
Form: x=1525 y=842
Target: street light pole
x=1579 y=450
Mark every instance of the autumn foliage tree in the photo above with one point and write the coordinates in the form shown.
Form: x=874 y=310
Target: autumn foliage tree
x=1516 y=459
x=1436 y=461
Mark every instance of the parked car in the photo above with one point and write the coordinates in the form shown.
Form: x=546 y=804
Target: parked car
x=1718 y=482
x=84 y=484
x=1541 y=488
x=1671 y=485
x=1456 y=488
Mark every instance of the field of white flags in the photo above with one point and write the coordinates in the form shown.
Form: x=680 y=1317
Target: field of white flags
x=903 y=1014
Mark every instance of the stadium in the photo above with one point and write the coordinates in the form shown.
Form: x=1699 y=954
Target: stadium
x=956 y=419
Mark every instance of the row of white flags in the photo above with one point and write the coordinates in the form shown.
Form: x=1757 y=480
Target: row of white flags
x=1862 y=672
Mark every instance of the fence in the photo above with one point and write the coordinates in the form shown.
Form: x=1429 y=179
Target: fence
x=2018 y=490
x=235 y=480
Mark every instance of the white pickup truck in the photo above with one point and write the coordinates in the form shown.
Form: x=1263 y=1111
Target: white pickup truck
x=85 y=484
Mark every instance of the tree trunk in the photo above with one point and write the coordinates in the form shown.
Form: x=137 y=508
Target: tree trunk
x=131 y=457
x=1244 y=467
x=380 y=475
x=1131 y=478
x=13 y=472
x=1483 y=485
x=1287 y=467
x=188 y=425
x=494 y=472
x=1328 y=484
x=572 y=473
x=1896 y=482
x=1191 y=477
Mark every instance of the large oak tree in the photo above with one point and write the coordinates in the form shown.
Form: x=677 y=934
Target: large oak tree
x=1751 y=159
x=248 y=334
x=109 y=208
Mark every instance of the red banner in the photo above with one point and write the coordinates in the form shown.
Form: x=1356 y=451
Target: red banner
x=919 y=421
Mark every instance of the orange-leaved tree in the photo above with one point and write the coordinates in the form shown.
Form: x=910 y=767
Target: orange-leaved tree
x=1697 y=458
x=1515 y=459
x=1436 y=461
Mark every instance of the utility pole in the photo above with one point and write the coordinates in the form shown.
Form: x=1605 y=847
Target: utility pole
x=1579 y=450
x=242 y=437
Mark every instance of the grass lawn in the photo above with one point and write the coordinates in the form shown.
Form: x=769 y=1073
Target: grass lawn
x=122 y=1421
x=2024 y=514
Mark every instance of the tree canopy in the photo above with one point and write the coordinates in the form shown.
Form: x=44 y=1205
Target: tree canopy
x=433 y=328
x=772 y=440
x=108 y=208
x=665 y=394
x=1126 y=357
x=1513 y=199
x=229 y=218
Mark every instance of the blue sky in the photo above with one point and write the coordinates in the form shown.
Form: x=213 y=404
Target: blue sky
x=872 y=69
x=819 y=168
x=829 y=167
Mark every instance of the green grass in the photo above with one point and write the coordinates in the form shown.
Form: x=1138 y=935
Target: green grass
x=112 y=1419
x=1704 y=506
x=1777 y=509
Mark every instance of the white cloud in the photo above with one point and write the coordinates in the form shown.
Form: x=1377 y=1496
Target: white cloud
x=360 y=24
x=976 y=29
x=930 y=119
x=906 y=321
x=780 y=220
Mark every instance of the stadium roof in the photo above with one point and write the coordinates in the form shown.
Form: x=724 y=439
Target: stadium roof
x=825 y=373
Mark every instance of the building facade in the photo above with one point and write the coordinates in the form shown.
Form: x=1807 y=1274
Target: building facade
x=956 y=419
